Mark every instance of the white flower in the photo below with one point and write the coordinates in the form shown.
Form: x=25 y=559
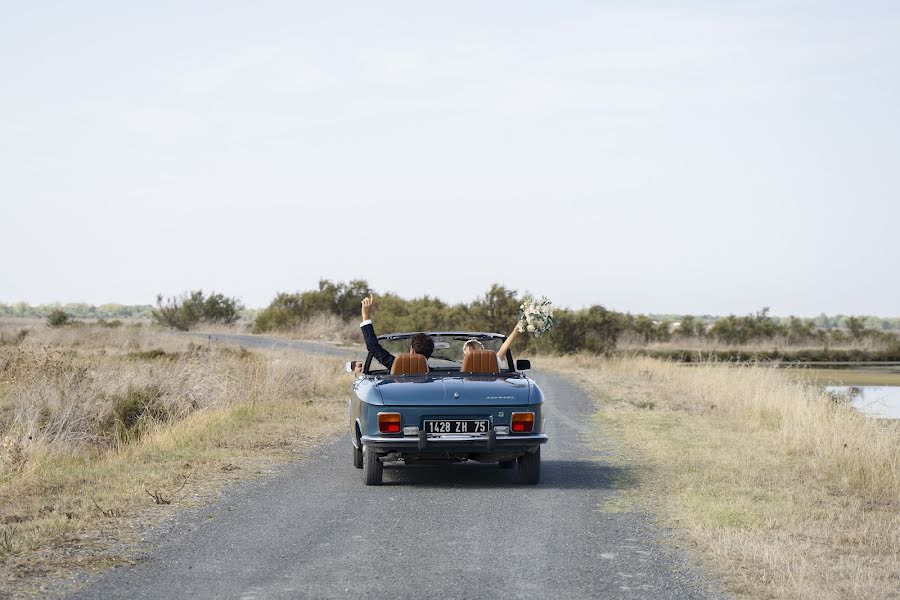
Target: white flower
x=535 y=316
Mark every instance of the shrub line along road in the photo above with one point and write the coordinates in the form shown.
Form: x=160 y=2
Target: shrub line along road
x=467 y=531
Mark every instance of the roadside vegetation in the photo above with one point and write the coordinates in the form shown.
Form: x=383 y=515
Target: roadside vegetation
x=784 y=490
x=332 y=312
x=187 y=310
x=76 y=310
x=102 y=428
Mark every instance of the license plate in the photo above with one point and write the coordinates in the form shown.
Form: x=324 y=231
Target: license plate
x=457 y=426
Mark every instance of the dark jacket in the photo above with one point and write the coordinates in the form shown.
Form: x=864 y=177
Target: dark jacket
x=372 y=345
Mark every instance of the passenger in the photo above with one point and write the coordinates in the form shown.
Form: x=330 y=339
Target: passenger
x=474 y=344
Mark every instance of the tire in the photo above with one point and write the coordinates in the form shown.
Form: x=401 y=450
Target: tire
x=507 y=464
x=530 y=468
x=357 y=457
x=373 y=469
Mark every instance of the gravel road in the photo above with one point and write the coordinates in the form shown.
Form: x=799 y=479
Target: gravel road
x=468 y=531
x=258 y=341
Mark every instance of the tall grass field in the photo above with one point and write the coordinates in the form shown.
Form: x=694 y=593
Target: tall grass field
x=107 y=429
x=779 y=488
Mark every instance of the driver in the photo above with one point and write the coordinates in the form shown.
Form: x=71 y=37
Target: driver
x=419 y=344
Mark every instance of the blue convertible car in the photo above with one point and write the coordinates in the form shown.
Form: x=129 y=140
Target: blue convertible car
x=452 y=407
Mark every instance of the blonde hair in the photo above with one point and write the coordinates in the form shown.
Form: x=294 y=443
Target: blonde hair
x=472 y=344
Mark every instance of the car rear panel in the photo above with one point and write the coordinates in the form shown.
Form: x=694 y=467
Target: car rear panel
x=451 y=397
x=415 y=416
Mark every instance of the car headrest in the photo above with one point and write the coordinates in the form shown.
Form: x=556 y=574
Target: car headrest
x=409 y=364
x=480 y=361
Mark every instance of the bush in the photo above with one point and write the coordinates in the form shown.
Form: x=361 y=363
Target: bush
x=58 y=318
x=284 y=312
x=288 y=311
x=594 y=329
x=109 y=324
x=220 y=309
x=185 y=311
x=134 y=411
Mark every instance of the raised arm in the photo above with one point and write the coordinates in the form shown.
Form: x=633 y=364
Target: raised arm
x=501 y=353
x=368 y=331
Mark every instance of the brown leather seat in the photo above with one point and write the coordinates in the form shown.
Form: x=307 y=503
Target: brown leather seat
x=480 y=361
x=409 y=364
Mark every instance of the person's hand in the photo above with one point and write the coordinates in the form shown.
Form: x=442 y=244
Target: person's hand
x=367 y=304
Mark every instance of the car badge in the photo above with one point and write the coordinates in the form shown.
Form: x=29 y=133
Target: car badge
x=500 y=414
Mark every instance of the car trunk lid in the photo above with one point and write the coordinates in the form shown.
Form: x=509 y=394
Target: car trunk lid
x=480 y=390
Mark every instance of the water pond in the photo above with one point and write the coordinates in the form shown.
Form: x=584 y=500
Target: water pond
x=877 y=400
x=872 y=389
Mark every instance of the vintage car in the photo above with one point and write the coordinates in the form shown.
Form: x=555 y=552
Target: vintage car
x=450 y=408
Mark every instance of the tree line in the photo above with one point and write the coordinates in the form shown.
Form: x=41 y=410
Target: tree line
x=591 y=329
x=77 y=310
x=595 y=329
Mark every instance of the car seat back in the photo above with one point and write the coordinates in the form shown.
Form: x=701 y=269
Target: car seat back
x=480 y=361
x=409 y=364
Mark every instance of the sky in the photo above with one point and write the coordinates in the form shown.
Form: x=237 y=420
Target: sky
x=691 y=157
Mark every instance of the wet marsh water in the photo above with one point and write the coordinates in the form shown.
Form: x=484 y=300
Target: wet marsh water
x=877 y=400
x=872 y=389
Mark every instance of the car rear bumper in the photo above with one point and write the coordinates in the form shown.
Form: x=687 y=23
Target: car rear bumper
x=454 y=443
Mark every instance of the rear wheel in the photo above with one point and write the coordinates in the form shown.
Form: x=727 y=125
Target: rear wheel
x=507 y=464
x=372 y=468
x=530 y=467
x=357 y=457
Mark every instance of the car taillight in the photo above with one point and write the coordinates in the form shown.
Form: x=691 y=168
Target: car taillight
x=522 y=422
x=389 y=422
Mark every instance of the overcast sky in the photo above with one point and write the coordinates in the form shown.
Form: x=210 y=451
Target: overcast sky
x=707 y=158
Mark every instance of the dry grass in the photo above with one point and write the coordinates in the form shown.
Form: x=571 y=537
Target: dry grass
x=325 y=327
x=95 y=421
x=785 y=492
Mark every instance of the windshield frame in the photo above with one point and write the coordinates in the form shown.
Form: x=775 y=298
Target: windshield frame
x=507 y=364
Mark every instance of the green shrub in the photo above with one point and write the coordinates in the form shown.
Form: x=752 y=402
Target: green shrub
x=134 y=411
x=284 y=312
x=185 y=311
x=109 y=324
x=289 y=310
x=218 y=308
x=58 y=318
x=593 y=329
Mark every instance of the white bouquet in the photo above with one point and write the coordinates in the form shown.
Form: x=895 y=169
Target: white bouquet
x=536 y=316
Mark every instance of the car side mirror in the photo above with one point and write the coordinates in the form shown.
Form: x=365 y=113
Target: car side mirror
x=352 y=366
x=523 y=364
